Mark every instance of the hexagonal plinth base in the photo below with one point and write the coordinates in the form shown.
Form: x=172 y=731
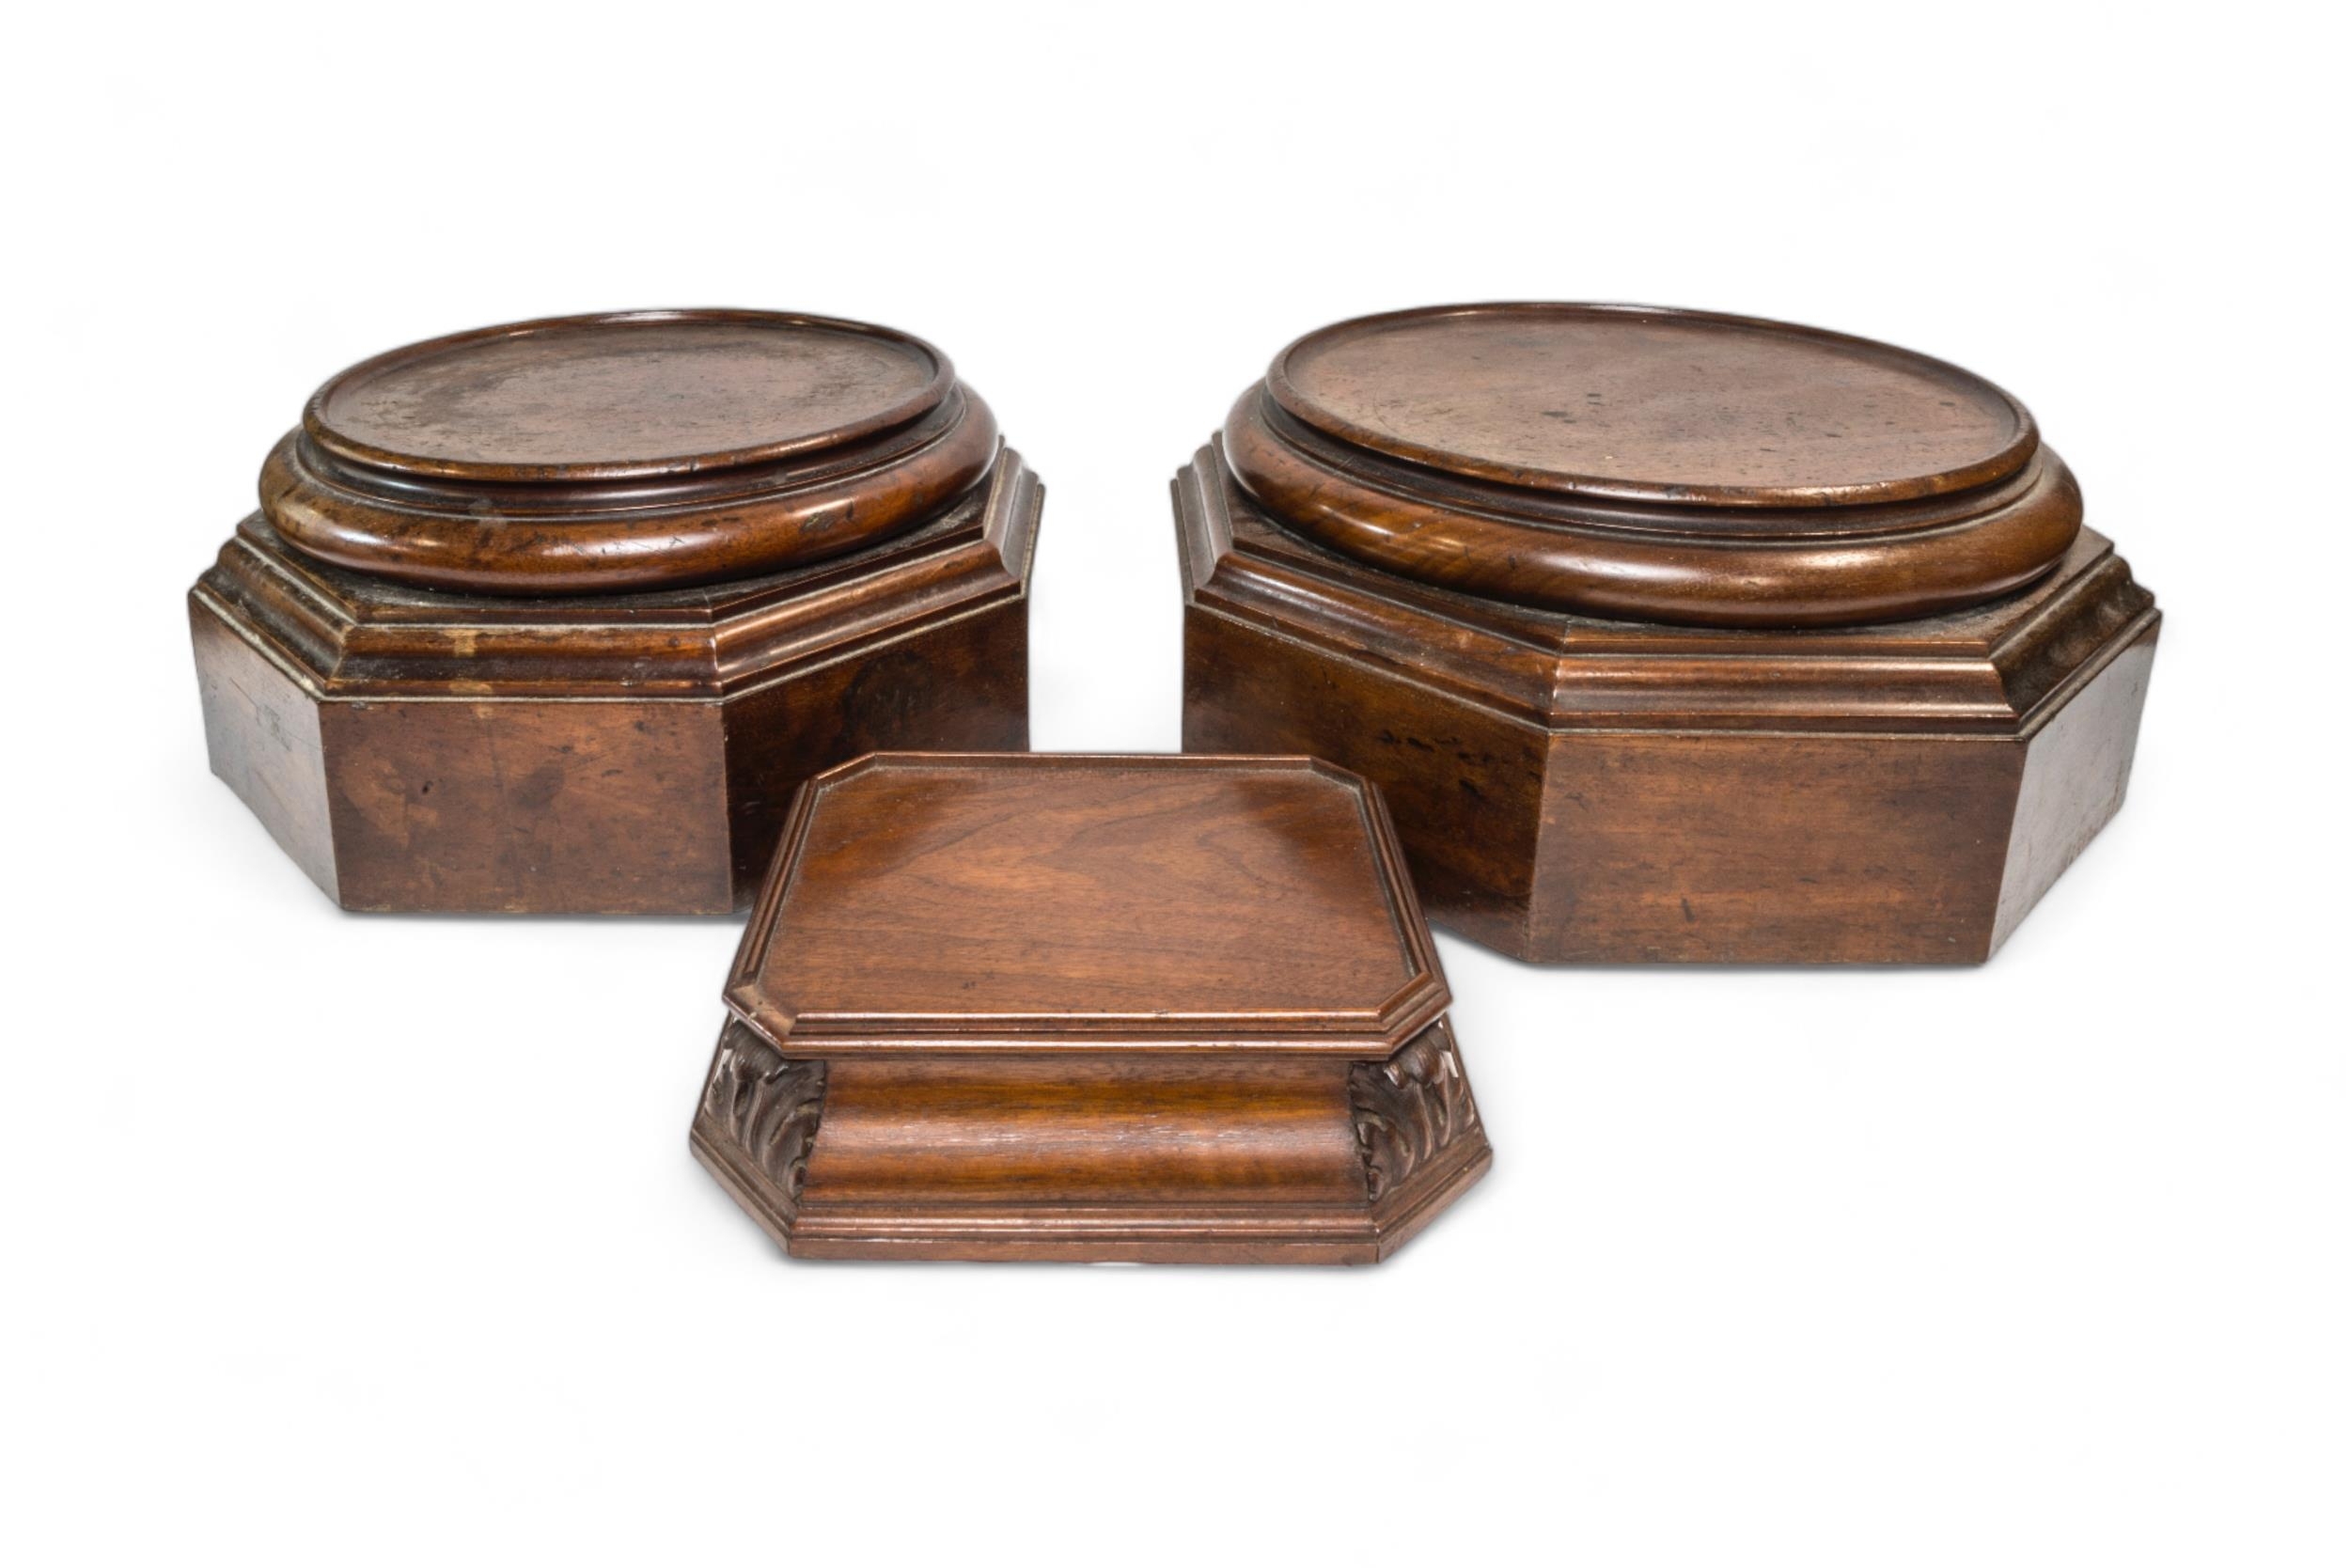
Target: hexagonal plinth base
x=1213 y=1159
x=1574 y=789
x=617 y=754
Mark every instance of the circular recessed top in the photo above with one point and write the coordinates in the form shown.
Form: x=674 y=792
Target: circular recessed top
x=1652 y=464
x=1640 y=403
x=632 y=395
x=645 y=450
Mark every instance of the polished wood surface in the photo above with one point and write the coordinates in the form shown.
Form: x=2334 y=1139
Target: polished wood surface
x=1037 y=896
x=618 y=749
x=626 y=452
x=1571 y=788
x=1655 y=465
x=1657 y=405
x=639 y=395
x=1161 y=1008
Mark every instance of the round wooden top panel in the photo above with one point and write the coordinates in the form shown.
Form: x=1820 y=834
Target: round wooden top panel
x=621 y=396
x=1669 y=405
x=1642 y=463
x=640 y=450
x=1069 y=902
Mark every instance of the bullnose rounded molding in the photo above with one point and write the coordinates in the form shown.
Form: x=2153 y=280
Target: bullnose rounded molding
x=626 y=452
x=1654 y=465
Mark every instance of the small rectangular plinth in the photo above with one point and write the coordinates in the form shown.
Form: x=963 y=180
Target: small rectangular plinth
x=1106 y=1008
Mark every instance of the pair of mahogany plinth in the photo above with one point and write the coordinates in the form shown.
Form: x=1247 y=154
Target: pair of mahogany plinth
x=1663 y=636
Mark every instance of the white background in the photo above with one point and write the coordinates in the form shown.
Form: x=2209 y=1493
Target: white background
x=334 y=1238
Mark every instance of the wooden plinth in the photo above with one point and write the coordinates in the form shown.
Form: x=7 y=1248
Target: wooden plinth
x=555 y=617
x=1156 y=1009
x=1786 y=759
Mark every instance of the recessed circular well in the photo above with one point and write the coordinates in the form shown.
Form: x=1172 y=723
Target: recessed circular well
x=1641 y=403
x=621 y=396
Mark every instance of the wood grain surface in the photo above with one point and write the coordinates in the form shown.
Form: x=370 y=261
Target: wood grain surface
x=1052 y=891
x=1575 y=789
x=417 y=749
x=626 y=452
x=634 y=395
x=1648 y=404
x=1664 y=466
x=1154 y=1009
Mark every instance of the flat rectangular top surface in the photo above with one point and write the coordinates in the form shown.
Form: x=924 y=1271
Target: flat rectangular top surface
x=1209 y=898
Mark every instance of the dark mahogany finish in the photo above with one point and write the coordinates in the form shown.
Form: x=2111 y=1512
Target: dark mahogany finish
x=1670 y=636
x=642 y=450
x=553 y=618
x=1156 y=1008
x=1654 y=465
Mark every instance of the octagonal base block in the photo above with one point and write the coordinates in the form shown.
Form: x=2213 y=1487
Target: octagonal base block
x=1573 y=790
x=1213 y=1157
x=617 y=754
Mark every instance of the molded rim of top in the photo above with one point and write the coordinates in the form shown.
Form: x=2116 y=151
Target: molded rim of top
x=315 y=424
x=2006 y=460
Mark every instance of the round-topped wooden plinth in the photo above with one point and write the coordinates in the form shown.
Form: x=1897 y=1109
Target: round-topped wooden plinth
x=1668 y=635
x=1654 y=465
x=554 y=617
x=596 y=454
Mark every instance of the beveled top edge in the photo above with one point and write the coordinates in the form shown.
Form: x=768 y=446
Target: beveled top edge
x=317 y=418
x=2004 y=461
x=1359 y=1034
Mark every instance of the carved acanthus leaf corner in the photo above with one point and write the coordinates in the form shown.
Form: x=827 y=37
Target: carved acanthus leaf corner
x=767 y=1105
x=1409 y=1107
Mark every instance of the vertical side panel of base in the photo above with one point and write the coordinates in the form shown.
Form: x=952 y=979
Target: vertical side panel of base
x=262 y=730
x=581 y=807
x=1464 y=785
x=2076 y=771
x=959 y=686
x=1773 y=849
